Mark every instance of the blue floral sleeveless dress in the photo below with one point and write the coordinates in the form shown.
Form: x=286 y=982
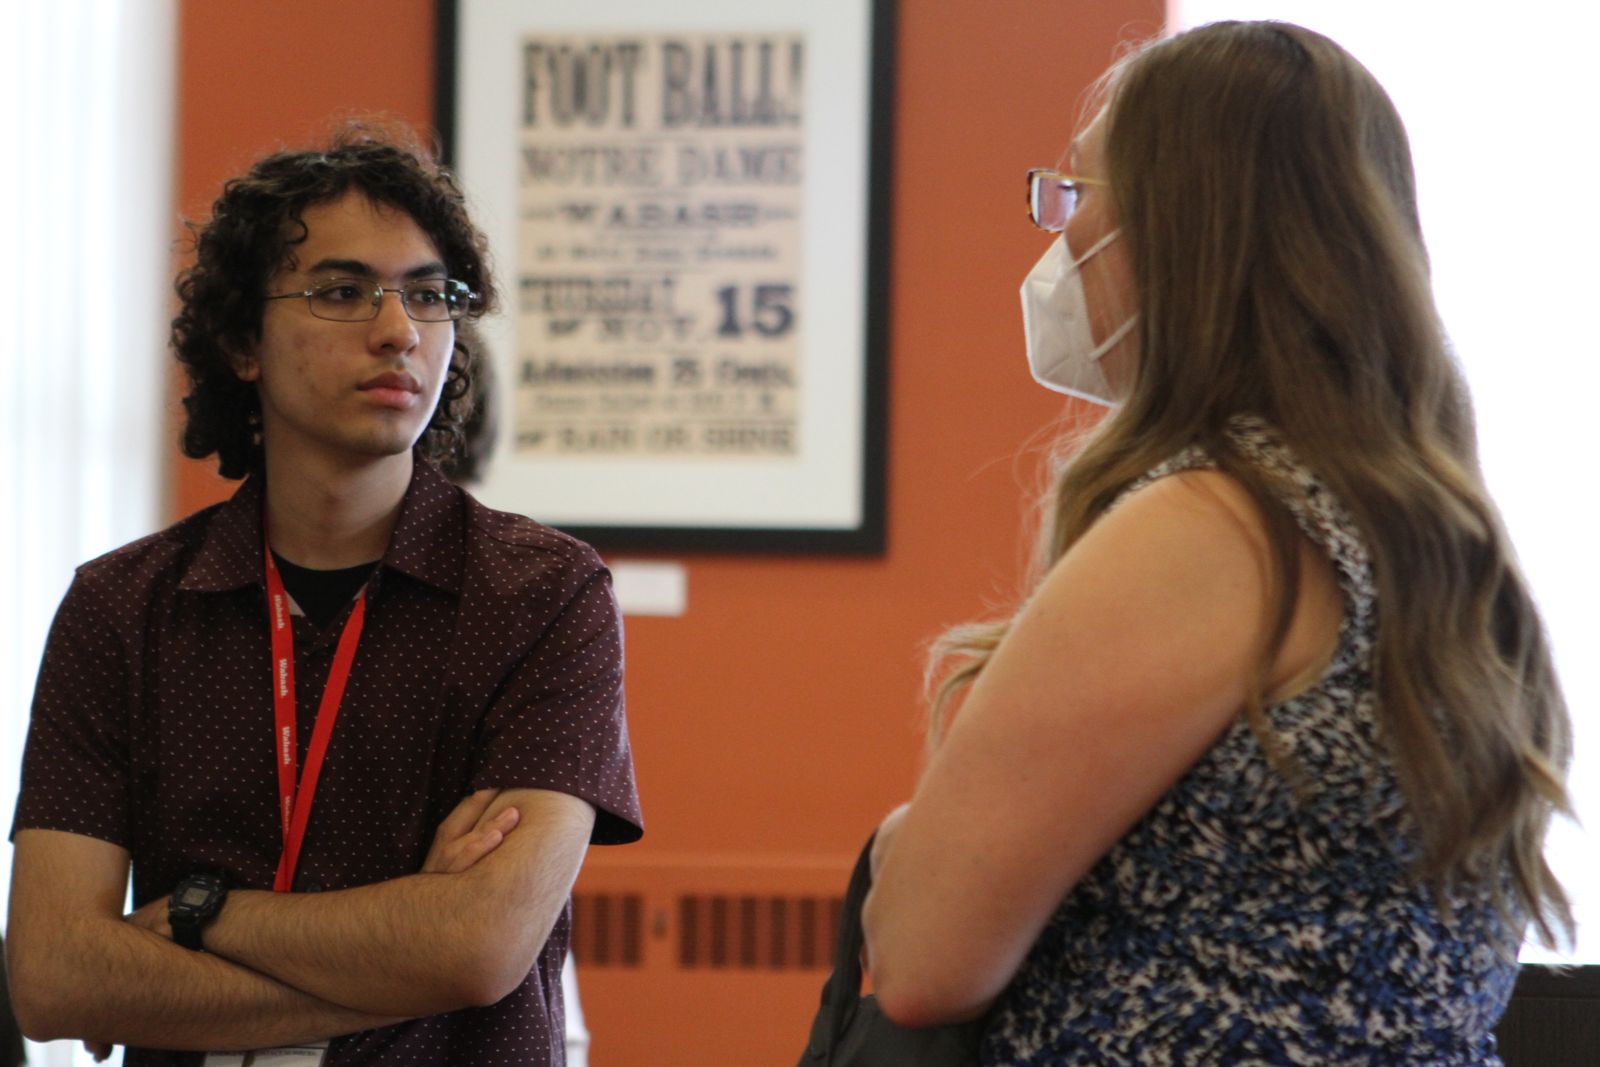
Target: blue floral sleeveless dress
x=1237 y=923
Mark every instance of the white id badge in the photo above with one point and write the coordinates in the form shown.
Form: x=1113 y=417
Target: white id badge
x=286 y=1056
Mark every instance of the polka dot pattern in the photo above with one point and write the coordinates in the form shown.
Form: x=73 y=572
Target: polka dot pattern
x=492 y=657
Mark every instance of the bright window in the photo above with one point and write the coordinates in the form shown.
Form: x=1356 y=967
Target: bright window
x=86 y=230
x=1498 y=109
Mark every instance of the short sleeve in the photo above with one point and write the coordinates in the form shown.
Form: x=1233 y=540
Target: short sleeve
x=559 y=722
x=75 y=769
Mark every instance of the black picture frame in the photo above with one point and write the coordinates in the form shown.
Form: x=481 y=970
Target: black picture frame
x=867 y=534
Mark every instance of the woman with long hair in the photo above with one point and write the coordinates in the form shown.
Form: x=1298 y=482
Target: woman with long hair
x=1262 y=768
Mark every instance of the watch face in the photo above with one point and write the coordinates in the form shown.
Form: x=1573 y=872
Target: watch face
x=193 y=896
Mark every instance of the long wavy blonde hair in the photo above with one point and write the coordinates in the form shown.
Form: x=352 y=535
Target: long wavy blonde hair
x=1264 y=186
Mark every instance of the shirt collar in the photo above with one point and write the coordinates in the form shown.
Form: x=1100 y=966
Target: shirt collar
x=230 y=548
x=429 y=541
x=428 y=544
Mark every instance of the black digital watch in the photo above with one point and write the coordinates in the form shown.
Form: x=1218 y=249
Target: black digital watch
x=193 y=905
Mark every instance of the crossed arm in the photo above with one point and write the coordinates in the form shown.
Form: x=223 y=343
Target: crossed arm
x=283 y=968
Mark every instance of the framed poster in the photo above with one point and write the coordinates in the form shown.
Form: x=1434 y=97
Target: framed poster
x=688 y=210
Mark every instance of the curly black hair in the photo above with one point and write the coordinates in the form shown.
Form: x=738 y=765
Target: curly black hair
x=480 y=419
x=254 y=227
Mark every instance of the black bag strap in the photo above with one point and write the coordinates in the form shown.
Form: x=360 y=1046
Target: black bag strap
x=842 y=994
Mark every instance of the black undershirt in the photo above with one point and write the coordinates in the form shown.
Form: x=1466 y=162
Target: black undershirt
x=322 y=595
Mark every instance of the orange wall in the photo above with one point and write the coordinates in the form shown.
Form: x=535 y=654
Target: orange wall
x=778 y=717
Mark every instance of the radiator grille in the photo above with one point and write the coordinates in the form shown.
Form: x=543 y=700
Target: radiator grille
x=718 y=931
x=756 y=933
x=608 y=929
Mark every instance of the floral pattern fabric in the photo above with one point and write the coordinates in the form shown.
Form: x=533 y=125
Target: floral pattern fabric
x=1241 y=922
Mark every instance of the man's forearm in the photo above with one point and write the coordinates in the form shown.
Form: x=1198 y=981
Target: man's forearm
x=426 y=943
x=394 y=946
x=106 y=980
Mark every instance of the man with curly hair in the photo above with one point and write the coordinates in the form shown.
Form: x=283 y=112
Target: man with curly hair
x=351 y=730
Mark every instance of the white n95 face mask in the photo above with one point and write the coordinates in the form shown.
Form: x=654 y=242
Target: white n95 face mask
x=1055 y=316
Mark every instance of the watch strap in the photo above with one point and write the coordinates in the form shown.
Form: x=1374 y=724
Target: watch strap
x=186 y=932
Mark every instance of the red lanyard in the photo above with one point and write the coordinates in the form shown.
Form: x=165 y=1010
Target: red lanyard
x=295 y=804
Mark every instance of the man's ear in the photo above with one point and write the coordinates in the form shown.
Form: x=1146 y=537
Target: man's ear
x=246 y=367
